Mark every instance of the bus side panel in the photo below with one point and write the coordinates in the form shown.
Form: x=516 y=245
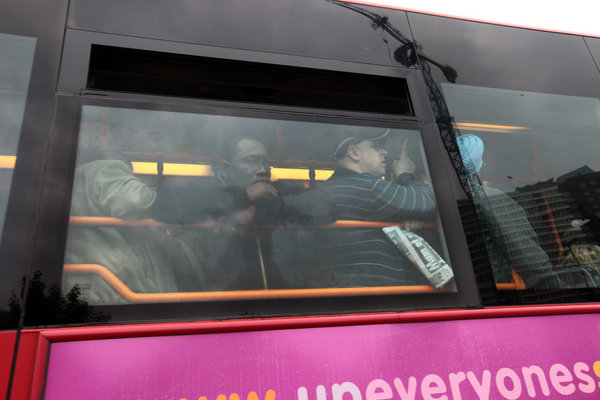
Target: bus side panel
x=419 y=358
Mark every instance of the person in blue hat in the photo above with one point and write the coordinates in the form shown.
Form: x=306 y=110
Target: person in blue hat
x=471 y=151
x=514 y=236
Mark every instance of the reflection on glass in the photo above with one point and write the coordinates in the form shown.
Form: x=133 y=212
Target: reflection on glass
x=16 y=58
x=488 y=55
x=539 y=180
x=173 y=206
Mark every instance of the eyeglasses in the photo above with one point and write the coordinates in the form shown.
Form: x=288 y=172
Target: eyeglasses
x=254 y=161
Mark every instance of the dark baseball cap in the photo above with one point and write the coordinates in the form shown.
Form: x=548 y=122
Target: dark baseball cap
x=357 y=138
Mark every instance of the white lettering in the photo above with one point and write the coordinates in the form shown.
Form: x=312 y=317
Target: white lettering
x=378 y=389
x=455 y=380
x=338 y=391
x=559 y=374
x=501 y=375
x=406 y=394
x=589 y=384
x=321 y=393
x=481 y=388
x=431 y=385
x=528 y=373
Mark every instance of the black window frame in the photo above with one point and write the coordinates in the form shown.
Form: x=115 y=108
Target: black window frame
x=56 y=204
x=73 y=96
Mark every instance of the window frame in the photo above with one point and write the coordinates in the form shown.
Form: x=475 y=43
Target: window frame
x=59 y=181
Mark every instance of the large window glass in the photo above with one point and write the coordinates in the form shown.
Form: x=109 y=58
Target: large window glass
x=171 y=206
x=534 y=169
x=16 y=58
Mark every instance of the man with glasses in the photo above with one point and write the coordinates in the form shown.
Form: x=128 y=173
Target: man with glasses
x=238 y=253
x=366 y=257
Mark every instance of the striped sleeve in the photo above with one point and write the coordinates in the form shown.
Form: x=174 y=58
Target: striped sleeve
x=365 y=197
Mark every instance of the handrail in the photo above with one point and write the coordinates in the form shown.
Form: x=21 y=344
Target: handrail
x=517 y=282
x=135 y=297
x=172 y=297
x=112 y=221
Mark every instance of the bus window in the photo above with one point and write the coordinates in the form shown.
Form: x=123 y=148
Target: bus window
x=534 y=157
x=16 y=58
x=172 y=206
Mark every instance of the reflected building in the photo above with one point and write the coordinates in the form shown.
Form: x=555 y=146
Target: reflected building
x=562 y=212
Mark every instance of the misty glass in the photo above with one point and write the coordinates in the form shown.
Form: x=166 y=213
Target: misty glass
x=539 y=174
x=164 y=209
x=16 y=58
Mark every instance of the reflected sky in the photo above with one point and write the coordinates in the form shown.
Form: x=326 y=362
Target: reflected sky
x=550 y=136
x=508 y=58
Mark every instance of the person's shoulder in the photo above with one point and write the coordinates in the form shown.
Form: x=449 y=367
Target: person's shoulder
x=344 y=174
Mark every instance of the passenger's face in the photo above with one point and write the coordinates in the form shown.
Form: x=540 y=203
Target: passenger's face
x=250 y=164
x=371 y=157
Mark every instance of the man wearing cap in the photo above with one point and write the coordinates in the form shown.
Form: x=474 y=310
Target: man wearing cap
x=511 y=241
x=366 y=257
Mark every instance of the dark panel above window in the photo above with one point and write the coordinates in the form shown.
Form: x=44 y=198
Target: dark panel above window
x=309 y=28
x=140 y=71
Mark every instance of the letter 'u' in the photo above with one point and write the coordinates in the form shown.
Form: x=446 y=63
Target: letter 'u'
x=321 y=393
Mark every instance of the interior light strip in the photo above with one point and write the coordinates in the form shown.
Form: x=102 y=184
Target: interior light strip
x=172 y=169
x=299 y=174
x=8 y=161
x=472 y=126
x=150 y=168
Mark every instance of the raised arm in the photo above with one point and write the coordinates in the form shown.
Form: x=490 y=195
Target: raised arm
x=365 y=197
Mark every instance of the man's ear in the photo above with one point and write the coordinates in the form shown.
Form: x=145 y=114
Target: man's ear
x=353 y=153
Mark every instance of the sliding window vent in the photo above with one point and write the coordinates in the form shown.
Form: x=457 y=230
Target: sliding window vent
x=149 y=72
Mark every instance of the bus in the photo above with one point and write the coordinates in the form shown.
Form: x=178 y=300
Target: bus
x=306 y=200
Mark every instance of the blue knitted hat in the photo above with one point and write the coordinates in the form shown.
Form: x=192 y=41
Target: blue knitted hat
x=471 y=151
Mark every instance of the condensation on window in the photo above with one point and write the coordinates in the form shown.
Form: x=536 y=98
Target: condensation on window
x=170 y=206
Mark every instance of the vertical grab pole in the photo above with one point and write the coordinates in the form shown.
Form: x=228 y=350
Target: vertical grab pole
x=262 y=263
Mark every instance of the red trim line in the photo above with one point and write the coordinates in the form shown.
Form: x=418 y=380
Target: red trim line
x=24 y=372
x=186 y=328
x=7 y=347
x=39 y=368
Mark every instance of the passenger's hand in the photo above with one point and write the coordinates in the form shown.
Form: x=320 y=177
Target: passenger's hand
x=260 y=190
x=243 y=217
x=412 y=225
x=402 y=164
x=235 y=221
